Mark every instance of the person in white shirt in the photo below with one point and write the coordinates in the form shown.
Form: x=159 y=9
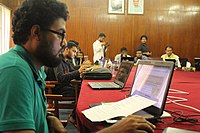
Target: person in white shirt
x=170 y=55
x=124 y=53
x=99 y=47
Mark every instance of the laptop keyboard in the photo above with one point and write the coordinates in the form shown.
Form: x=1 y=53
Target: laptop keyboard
x=104 y=85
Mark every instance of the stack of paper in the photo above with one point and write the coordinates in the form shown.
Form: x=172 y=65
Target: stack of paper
x=124 y=107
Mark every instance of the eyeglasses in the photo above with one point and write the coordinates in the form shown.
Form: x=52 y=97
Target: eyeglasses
x=60 y=35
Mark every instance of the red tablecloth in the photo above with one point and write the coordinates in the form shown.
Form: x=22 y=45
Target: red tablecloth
x=184 y=81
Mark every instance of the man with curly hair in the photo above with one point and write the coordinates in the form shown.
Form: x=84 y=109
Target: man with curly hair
x=39 y=32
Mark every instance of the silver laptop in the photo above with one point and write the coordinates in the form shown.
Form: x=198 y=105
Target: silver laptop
x=119 y=81
x=152 y=80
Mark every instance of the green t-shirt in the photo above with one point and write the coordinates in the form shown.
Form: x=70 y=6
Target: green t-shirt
x=22 y=99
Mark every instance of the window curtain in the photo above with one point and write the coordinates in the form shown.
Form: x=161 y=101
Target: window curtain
x=5 y=16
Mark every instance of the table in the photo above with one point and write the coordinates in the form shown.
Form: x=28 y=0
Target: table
x=184 y=81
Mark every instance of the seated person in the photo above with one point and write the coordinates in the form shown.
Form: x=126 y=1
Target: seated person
x=74 y=61
x=78 y=59
x=64 y=72
x=122 y=54
x=139 y=56
x=170 y=55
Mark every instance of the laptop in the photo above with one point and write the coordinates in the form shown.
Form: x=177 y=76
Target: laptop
x=183 y=61
x=127 y=59
x=197 y=63
x=152 y=80
x=172 y=60
x=119 y=81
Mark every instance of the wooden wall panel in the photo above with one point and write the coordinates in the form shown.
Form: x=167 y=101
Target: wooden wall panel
x=175 y=22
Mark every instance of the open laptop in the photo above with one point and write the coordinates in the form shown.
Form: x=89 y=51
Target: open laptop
x=152 y=80
x=197 y=63
x=127 y=59
x=183 y=61
x=172 y=60
x=119 y=81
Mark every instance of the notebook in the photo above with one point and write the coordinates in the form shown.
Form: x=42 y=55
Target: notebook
x=152 y=80
x=119 y=81
x=177 y=130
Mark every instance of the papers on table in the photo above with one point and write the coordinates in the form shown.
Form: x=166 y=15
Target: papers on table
x=124 y=107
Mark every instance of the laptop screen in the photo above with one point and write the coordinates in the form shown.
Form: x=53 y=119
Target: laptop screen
x=197 y=63
x=172 y=60
x=123 y=72
x=152 y=80
x=196 y=60
x=127 y=59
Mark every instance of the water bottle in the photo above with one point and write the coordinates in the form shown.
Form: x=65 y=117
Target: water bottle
x=112 y=69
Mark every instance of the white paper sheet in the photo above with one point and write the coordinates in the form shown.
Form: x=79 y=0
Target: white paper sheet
x=124 y=107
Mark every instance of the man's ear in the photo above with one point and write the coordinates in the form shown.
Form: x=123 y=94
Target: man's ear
x=67 y=50
x=35 y=32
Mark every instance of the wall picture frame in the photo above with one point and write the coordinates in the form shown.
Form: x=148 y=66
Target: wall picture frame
x=116 y=6
x=135 y=6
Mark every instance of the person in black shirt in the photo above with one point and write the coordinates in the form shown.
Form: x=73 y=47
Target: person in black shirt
x=144 y=47
x=65 y=72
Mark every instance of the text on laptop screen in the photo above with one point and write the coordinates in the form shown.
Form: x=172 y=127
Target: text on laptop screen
x=123 y=72
x=151 y=82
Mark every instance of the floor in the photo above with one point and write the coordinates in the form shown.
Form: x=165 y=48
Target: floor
x=63 y=115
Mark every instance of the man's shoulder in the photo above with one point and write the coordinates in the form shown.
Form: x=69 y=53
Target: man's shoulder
x=96 y=42
x=175 y=56
x=11 y=60
x=144 y=57
x=162 y=56
x=140 y=46
x=12 y=57
x=118 y=55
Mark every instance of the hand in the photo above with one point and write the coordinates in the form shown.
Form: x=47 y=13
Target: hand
x=55 y=125
x=124 y=55
x=103 y=43
x=82 y=69
x=147 y=53
x=131 y=124
x=106 y=44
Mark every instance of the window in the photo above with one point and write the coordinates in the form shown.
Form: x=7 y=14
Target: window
x=5 y=14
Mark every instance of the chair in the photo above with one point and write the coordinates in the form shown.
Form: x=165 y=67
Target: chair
x=60 y=102
x=71 y=100
x=55 y=102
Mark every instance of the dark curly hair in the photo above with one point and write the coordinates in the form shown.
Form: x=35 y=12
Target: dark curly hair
x=144 y=37
x=36 y=12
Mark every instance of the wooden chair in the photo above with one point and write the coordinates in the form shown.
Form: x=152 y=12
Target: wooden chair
x=71 y=101
x=55 y=101
x=53 y=104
